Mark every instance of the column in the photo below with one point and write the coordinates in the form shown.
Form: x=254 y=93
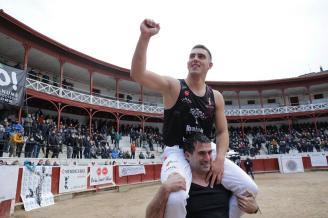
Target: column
x=238 y=98
x=59 y=115
x=261 y=98
x=91 y=81
x=308 y=92
x=26 y=52
x=61 y=71
x=141 y=94
x=284 y=97
x=117 y=88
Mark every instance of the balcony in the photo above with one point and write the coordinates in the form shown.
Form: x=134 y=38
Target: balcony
x=106 y=102
x=90 y=99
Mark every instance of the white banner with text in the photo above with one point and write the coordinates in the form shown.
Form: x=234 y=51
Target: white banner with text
x=318 y=160
x=129 y=170
x=73 y=178
x=101 y=175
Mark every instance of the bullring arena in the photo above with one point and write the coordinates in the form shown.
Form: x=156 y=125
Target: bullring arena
x=281 y=124
x=292 y=195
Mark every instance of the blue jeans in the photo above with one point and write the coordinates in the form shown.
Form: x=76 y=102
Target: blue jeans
x=36 y=151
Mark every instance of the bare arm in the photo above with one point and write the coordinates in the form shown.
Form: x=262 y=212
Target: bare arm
x=222 y=134
x=247 y=203
x=156 y=208
x=139 y=73
x=222 y=140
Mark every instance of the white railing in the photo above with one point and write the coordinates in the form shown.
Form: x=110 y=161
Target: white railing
x=89 y=99
x=95 y=100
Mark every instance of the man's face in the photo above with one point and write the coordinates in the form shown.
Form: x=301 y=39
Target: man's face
x=200 y=160
x=199 y=61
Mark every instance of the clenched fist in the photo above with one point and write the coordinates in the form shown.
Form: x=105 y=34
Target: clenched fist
x=149 y=28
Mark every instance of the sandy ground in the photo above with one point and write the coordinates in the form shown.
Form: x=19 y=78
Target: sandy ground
x=281 y=195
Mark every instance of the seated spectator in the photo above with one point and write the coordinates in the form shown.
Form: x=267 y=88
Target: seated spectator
x=47 y=163
x=141 y=155
x=40 y=163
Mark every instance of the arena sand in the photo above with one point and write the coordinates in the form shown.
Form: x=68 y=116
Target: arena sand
x=281 y=195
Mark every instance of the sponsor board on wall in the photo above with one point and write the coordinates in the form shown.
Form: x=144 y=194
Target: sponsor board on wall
x=12 y=85
x=318 y=159
x=72 y=178
x=291 y=164
x=129 y=170
x=101 y=175
x=8 y=182
x=36 y=187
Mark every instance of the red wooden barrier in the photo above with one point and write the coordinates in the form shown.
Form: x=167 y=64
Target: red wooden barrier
x=271 y=165
x=153 y=172
x=19 y=185
x=55 y=180
x=5 y=209
x=150 y=173
x=306 y=163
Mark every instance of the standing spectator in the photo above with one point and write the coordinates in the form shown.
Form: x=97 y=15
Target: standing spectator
x=39 y=141
x=28 y=125
x=80 y=146
x=30 y=143
x=75 y=146
x=117 y=140
x=249 y=167
x=53 y=145
x=2 y=140
x=133 y=150
x=69 y=141
x=87 y=147
x=17 y=140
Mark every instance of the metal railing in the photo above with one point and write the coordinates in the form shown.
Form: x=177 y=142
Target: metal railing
x=106 y=102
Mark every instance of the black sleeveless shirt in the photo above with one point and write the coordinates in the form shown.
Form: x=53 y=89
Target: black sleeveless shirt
x=207 y=202
x=189 y=115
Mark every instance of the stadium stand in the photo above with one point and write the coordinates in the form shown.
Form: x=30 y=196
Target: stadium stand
x=81 y=111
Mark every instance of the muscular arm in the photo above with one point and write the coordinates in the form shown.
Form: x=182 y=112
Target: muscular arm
x=222 y=140
x=222 y=135
x=156 y=208
x=167 y=86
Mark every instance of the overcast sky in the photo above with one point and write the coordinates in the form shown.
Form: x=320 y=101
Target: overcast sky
x=249 y=40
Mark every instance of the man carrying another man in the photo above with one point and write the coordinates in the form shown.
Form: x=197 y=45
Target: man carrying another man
x=203 y=201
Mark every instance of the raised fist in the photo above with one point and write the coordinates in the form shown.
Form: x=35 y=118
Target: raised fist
x=149 y=28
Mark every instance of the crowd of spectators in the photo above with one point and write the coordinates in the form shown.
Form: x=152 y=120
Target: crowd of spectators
x=38 y=133
x=279 y=139
x=38 y=136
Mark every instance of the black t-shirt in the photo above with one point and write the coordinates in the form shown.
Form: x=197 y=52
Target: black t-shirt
x=189 y=115
x=207 y=202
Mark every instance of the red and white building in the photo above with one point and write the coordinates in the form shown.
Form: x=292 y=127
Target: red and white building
x=69 y=83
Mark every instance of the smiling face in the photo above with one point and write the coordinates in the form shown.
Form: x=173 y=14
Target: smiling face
x=199 y=61
x=200 y=159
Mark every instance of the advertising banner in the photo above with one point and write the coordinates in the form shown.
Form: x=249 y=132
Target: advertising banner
x=318 y=160
x=36 y=187
x=129 y=170
x=73 y=178
x=101 y=175
x=8 y=182
x=291 y=164
x=12 y=85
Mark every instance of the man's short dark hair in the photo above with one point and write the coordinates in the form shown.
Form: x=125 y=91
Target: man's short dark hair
x=189 y=145
x=203 y=47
